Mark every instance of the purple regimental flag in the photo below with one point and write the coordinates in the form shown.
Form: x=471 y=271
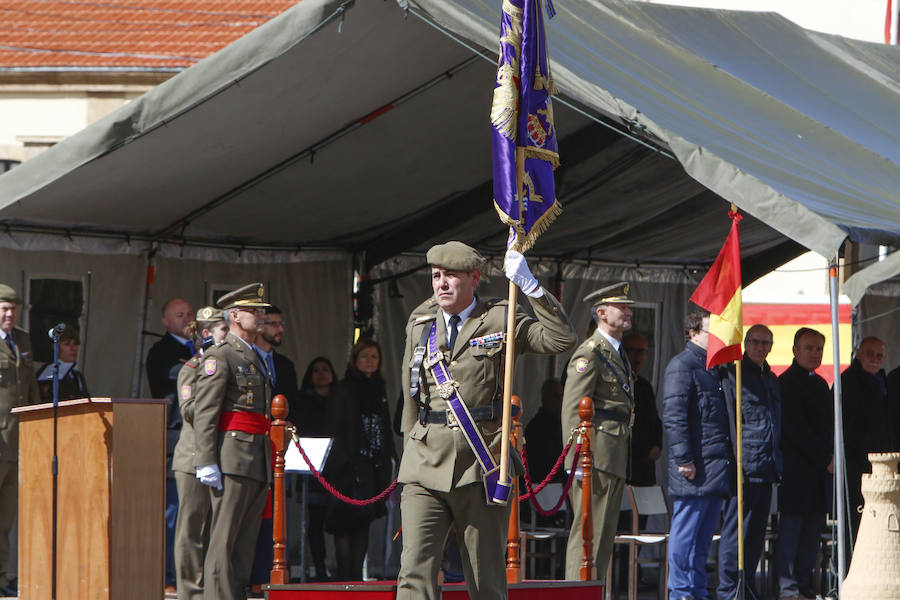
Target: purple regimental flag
x=522 y=117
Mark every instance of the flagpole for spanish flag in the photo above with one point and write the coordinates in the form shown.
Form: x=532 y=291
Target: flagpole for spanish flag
x=510 y=362
x=741 y=582
x=739 y=446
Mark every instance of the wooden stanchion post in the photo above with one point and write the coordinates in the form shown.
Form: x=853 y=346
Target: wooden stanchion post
x=586 y=414
x=278 y=434
x=513 y=540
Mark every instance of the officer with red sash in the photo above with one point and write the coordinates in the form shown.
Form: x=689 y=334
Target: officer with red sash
x=233 y=454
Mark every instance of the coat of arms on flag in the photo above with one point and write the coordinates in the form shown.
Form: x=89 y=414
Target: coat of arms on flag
x=522 y=124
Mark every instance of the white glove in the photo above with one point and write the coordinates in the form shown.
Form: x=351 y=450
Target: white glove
x=210 y=475
x=518 y=272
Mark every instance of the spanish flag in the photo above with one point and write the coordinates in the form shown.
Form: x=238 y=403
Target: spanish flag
x=720 y=294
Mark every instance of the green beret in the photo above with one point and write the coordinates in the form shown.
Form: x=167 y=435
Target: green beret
x=248 y=296
x=455 y=256
x=210 y=314
x=616 y=293
x=7 y=294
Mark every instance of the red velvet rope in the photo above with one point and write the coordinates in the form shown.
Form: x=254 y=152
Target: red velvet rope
x=337 y=494
x=531 y=493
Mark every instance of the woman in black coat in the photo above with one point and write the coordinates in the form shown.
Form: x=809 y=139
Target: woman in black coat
x=360 y=462
x=308 y=414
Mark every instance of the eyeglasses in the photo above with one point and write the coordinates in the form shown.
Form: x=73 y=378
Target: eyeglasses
x=760 y=342
x=275 y=323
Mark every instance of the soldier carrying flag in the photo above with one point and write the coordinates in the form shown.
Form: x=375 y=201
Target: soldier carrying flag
x=456 y=344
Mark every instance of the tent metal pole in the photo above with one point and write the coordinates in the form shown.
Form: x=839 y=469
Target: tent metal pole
x=838 y=428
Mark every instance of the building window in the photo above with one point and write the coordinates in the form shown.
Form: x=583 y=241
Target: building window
x=52 y=301
x=7 y=163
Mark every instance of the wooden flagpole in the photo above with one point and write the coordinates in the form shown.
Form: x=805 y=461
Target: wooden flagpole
x=510 y=362
x=741 y=582
x=739 y=444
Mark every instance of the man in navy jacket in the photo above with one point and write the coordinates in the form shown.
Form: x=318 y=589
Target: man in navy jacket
x=701 y=460
x=761 y=443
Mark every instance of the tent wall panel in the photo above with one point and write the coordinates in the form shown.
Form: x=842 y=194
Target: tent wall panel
x=113 y=291
x=315 y=298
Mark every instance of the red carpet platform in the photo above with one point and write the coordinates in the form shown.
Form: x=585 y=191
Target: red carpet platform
x=386 y=590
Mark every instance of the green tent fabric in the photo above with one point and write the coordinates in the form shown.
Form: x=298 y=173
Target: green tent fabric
x=356 y=125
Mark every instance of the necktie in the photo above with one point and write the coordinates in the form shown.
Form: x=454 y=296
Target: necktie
x=190 y=346
x=11 y=343
x=454 y=325
x=270 y=364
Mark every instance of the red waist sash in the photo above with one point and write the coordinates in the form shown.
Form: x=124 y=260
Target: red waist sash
x=249 y=422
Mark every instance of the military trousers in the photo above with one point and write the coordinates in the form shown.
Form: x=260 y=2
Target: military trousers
x=9 y=504
x=606 y=503
x=427 y=516
x=191 y=535
x=234 y=525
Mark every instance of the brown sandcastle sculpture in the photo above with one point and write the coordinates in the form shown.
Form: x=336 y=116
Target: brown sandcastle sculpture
x=875 y=570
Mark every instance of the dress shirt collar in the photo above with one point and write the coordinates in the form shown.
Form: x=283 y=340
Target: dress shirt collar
x=249 y=345
x=463 y=315
x=612 y=341
x=181 y=340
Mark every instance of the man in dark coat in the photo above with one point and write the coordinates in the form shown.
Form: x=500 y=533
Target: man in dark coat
x=173 y=349
x=867 y=418
x=807 y=442
x=164 y=361
x=761 y=458
x=283 y=380
x=543 y=434
x=701 y=461
x=543 y=445
x=646 y=434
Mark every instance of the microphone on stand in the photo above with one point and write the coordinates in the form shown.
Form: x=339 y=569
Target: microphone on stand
x=56 y=331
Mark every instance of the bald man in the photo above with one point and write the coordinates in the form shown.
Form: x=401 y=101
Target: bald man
x=164 y=361
x=869 y=422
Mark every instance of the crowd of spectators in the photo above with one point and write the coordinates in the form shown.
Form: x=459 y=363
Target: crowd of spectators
x=788 y=432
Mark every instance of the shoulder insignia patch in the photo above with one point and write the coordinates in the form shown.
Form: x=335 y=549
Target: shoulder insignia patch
x=581 y=365
x=209 y=366
x=185 y=392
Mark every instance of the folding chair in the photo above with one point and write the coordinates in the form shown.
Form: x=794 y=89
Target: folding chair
x=547 y=497
x=642 y=500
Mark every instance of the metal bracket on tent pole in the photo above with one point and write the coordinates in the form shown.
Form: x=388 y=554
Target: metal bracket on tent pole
x=342 y=11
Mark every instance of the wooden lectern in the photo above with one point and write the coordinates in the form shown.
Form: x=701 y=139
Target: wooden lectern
x=111 y=499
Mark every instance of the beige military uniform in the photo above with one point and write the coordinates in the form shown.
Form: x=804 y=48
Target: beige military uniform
x=605 y=381
x=441 y=477
x=18 y=387
x=231 y=378
x=192 y=526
